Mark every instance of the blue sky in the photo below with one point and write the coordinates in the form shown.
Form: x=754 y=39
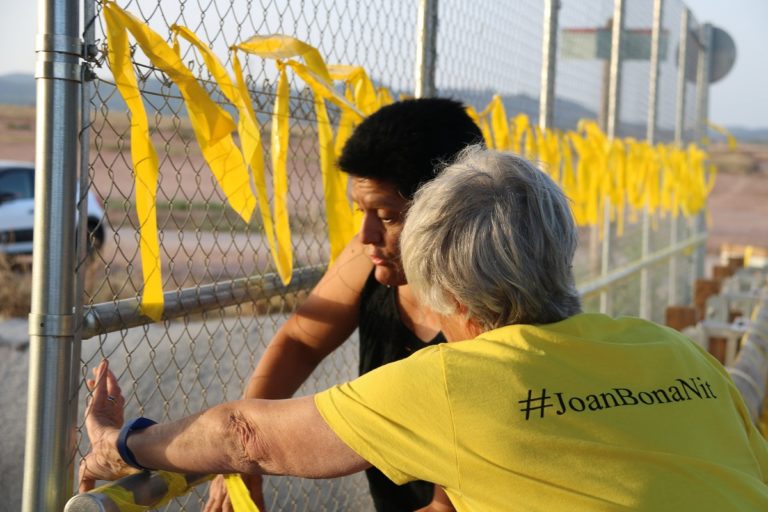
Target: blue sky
x=737 y=100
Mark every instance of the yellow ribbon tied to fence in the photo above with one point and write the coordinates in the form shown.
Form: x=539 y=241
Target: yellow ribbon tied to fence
x=212 y=126
x=145 y=163
x=594 y=171
x=175 y=484
x=315 y=74
x=277 y=233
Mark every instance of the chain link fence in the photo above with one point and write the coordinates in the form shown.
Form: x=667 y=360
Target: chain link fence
x=178 y=366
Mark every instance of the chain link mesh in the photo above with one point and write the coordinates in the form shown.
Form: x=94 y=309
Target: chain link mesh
x=177 y=367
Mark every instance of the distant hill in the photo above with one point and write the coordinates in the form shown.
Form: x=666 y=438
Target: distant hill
x=742 y=134
x=19 y=89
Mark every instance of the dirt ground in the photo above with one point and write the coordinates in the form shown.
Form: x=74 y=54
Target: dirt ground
x=739 y=201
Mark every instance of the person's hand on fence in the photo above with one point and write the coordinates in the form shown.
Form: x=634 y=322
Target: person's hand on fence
x=218 y=499
x=103 y=419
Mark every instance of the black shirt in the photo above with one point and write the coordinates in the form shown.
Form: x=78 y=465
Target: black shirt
x=384 y=339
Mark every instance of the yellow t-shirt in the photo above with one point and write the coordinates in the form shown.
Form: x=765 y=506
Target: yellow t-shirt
x=590 y=413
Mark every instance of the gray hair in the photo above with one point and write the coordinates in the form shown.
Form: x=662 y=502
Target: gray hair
x=496 y=235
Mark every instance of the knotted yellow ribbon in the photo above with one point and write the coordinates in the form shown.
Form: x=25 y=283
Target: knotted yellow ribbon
x=278 y=235
x=590 y=168
x=212 y=126
x=126 y=500
x=315 y=74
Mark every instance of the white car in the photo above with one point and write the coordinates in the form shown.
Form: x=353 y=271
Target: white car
x=17 y=201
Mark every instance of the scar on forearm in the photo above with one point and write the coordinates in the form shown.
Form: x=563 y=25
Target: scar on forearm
x=249 y=451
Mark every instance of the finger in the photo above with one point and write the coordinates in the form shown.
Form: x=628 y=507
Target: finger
x=100 y=389
x=214 y=503
x=214 y=495
x=86 y=483
x=227 y=505
x=99 y=368
x=113 y=388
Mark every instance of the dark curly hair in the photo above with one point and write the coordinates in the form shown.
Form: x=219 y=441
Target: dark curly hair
x=402 y=143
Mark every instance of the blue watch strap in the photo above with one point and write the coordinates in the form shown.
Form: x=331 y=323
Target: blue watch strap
x=122 y=440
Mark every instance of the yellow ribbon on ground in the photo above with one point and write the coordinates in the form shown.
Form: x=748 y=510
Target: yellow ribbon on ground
x=212 y=126
x=278 y=237
x=239 y=494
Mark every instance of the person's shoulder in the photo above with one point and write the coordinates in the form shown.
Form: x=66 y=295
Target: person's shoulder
x=352 y=265
x=347 y=274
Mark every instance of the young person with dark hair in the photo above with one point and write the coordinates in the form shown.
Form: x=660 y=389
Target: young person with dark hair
x=388 y=156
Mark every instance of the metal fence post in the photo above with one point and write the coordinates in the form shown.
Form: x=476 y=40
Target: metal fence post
x=50 y=441
x=426 y=49
x=682 y=58
x=653 y=105
x=702 y=123
x=653 y=85
x=614 y=106
x=702 y=82
x=548 y=63
x=614 y=83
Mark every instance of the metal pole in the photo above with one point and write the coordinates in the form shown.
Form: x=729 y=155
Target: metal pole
x=126 y=313
x=605 y=257
x=614 y=84
x=89 y=52
x=426 y=49
x=614 y=105
x=653 y=105
x=653 y=85
x=702 y=82
x=51 y=440
x=682 y=58
x=702 y=122
x=548 y=63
